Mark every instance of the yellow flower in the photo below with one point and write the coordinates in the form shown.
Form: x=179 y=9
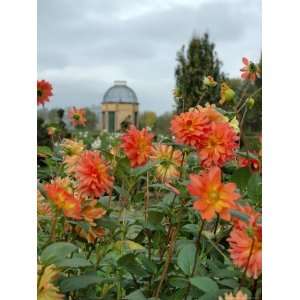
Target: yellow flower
x=46 y=289
x=168 y=169
x=72 y=150
x=227 y=94
x=234 y=123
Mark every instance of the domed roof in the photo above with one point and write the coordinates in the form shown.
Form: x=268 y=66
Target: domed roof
x=120 y=92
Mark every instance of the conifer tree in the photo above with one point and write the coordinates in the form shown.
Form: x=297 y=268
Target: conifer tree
x=199 y=60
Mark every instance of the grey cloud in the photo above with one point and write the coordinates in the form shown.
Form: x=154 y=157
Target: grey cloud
x=84 y=45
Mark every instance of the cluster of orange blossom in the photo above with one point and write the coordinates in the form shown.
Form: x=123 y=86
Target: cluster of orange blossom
x=209 y=132
x=76 y=195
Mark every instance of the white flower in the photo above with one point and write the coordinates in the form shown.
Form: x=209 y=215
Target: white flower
x=96 y=144
x=149 y=128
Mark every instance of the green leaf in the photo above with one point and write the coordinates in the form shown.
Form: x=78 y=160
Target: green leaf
x=178 y=282
x=229 y=283
x=241 y=177
x=155 y=216
x=255 y=188
x=186 y=258
x=204 y=284
x=80 y=282
x=148 y=264
x=121 y=191
x=240 y=215
x=136 y=295
x=191 y=228
x=248 y=155
x=57 y=251
x=75 y=262
x=131 y=245
x=44 y=151
x=142 y=170
x=129 y=263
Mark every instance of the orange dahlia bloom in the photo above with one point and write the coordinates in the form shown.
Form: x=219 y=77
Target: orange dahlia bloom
x=137 y=145
x=213 y=195
x=246 y=249
x=63 y=199
x=190 y=127
x=239 y=296
x=77 y=116
x=210 y=111
x=91 y=212
x=92 y=173
x=72 y=150
x=170 y=161
x=245 y=242
x=44 y=91
x=92 y=234
x=250 y=71
x=219 y=145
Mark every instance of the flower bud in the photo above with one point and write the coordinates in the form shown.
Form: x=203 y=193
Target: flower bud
x=227 y=94
x=209 y=81
x=250 y=102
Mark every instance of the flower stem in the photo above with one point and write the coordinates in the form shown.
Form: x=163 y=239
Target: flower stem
x=53 y=227
x=247 y=265
x=196 y=256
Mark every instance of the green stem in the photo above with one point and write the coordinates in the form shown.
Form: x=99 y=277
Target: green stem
x=53 y=227
x=196 y=256
x=217 y=223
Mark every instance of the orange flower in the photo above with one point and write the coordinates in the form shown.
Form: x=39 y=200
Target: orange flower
x=92 y=234
x=219 y=145
x=44 y=91
x=239 y=296
x=137 y=146
x=245 y=242
x=72 y=151
x=190 y=127
x=210 y=111
x=213 y=195
x=246 y=249
x=77 y=116
x=92 y=173
x=250 y=71
x=91 y=212
x=170 y=160
x=63 y=199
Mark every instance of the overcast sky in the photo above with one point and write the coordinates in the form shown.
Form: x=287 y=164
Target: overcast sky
x=83 y=46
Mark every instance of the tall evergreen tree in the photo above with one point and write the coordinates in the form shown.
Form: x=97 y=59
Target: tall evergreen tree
x=199 y=60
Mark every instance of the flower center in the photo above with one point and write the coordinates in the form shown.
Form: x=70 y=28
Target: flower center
x=214 y=196
x=213 y=142
x=252 y=67
x=39 y=93
x=76 y=117
x=189 y=123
